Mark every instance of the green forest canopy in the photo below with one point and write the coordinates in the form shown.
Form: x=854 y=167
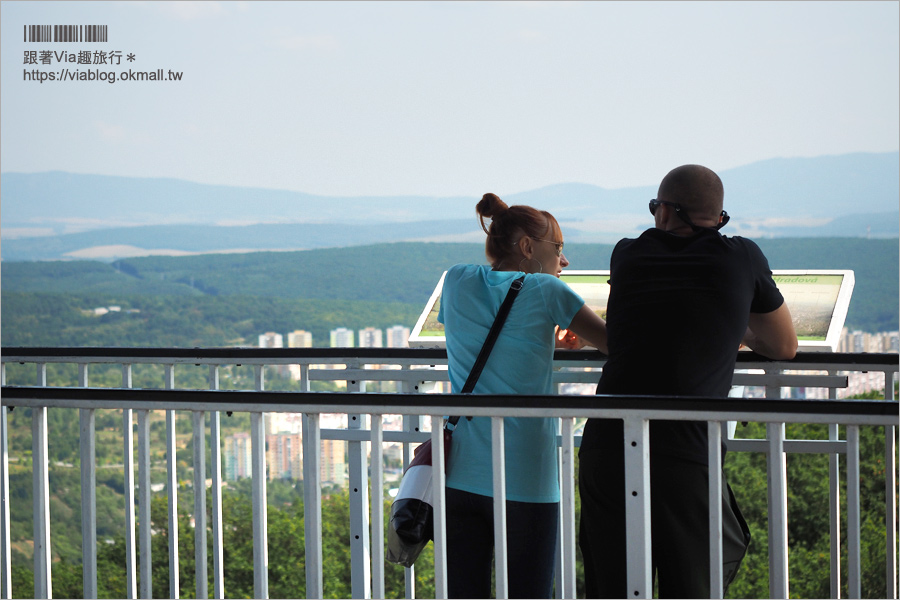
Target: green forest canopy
x=214 y=300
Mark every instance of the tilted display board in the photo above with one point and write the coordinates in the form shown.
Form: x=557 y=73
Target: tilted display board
x=818 y=301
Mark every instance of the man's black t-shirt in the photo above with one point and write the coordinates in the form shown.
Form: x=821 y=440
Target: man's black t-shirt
x=678 y=309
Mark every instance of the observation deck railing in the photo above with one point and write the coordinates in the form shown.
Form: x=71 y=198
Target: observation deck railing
x=414 y=370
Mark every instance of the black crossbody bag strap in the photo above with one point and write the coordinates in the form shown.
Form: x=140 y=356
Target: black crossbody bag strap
x=488 y=345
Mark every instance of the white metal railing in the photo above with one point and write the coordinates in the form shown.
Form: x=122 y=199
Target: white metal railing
x=416 y=369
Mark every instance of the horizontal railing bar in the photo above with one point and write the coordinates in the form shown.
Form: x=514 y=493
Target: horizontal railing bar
x=792 y=446
x=747 y=379
x=365 y=435
x=376 y=375
x=582 y=377
x=125 y=354
x=413 y=376
x=734 y=445
x=863 y=412
x=424 y=363
x=843 y=361
x=790 y=380
x=745 y=360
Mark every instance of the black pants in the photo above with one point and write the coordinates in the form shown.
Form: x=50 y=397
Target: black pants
x=531 y=535
x=679 y=499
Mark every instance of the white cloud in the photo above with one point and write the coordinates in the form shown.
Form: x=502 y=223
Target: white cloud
x=14 y=233
x=122 y=251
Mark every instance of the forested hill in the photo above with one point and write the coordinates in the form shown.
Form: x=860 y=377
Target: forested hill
x=402 y=274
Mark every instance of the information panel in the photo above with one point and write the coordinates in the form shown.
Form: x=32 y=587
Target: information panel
x=818 y=301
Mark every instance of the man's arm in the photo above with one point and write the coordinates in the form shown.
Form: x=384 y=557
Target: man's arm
x=772 y=334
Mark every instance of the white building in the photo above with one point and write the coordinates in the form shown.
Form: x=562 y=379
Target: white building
x=271 y=340
x=370 y=338
x=342 y=338
x=300 y=339
x=284 y=456
x=862 y=341
x=398 y=337
x=238 y=457
x=334 y=463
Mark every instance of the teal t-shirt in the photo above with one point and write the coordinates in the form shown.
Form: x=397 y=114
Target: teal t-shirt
x=520 y=363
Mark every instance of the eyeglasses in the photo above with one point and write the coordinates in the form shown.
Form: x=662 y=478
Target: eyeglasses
x=679 y=210
x=559 y=245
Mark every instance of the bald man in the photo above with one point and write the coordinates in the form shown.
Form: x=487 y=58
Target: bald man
x=682 y=299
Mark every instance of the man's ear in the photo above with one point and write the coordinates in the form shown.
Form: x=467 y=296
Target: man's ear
x=661 y=216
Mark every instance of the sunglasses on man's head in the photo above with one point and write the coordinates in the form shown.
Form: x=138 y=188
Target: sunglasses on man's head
x=682 y=214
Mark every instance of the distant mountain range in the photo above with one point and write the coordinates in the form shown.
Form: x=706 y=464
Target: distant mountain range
x=57 y=215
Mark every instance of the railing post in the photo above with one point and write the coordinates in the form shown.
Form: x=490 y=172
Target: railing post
x=215 y=453
x=498 y=467
x=714 y=432
x=304 y=377
x=377 y=468
x=439 y=504
x=890 y=513
x=777 y=501
x=834 y=511
x=43 y=587
x=777 y=482
x=146 y=564
x=854 y=582
x=5 y=540
x=128 y=455
x=312 y=504
x=88 y=493
x=834 y=503
x=565 y=577
x=198 y=419
x=359 y=504
x=411 y=423
x=260 y=507
x=172 y=488
x=637 y=507
x=890 y=491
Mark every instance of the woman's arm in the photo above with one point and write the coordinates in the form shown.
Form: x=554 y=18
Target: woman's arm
x=590 y=328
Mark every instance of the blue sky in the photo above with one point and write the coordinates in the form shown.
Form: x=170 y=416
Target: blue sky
x=450 y=98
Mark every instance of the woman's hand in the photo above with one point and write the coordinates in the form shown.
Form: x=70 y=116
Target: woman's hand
x=566 y=339
x=591 y=328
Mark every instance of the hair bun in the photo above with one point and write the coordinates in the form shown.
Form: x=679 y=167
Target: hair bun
x=491 y=205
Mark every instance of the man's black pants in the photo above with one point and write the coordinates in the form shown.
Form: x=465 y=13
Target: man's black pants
x=679 y=499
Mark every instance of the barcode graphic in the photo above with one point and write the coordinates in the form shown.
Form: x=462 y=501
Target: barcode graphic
x=66 y=33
